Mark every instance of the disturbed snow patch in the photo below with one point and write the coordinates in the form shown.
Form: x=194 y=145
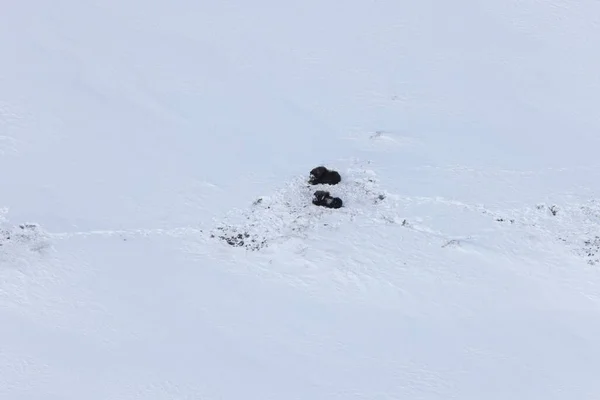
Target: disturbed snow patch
x=574 y=224
x=17 y=243
x=25 y=236
x=586 y=240
x=289 y=212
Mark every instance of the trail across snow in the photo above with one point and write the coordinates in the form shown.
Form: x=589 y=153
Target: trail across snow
x=287 y=216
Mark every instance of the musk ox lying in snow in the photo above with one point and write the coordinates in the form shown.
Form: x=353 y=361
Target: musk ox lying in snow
x=324 y=199
x=324 y=176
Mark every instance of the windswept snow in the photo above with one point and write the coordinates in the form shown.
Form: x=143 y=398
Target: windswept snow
x=157 y=237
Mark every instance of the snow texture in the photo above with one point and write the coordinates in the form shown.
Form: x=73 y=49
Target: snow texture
x=157 y=236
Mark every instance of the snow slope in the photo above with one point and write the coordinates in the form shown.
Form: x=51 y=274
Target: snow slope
x=135 y=137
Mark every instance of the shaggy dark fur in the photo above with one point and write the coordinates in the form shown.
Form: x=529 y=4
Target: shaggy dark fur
x=324 y=199
x=322 y=175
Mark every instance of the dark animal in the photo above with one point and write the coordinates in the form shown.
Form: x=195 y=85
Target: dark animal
x=322 y=175
x=324 y=199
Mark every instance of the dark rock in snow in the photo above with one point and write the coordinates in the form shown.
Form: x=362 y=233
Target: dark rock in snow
x=322 y=175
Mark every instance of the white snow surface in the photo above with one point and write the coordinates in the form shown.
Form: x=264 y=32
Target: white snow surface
x=135 y=135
